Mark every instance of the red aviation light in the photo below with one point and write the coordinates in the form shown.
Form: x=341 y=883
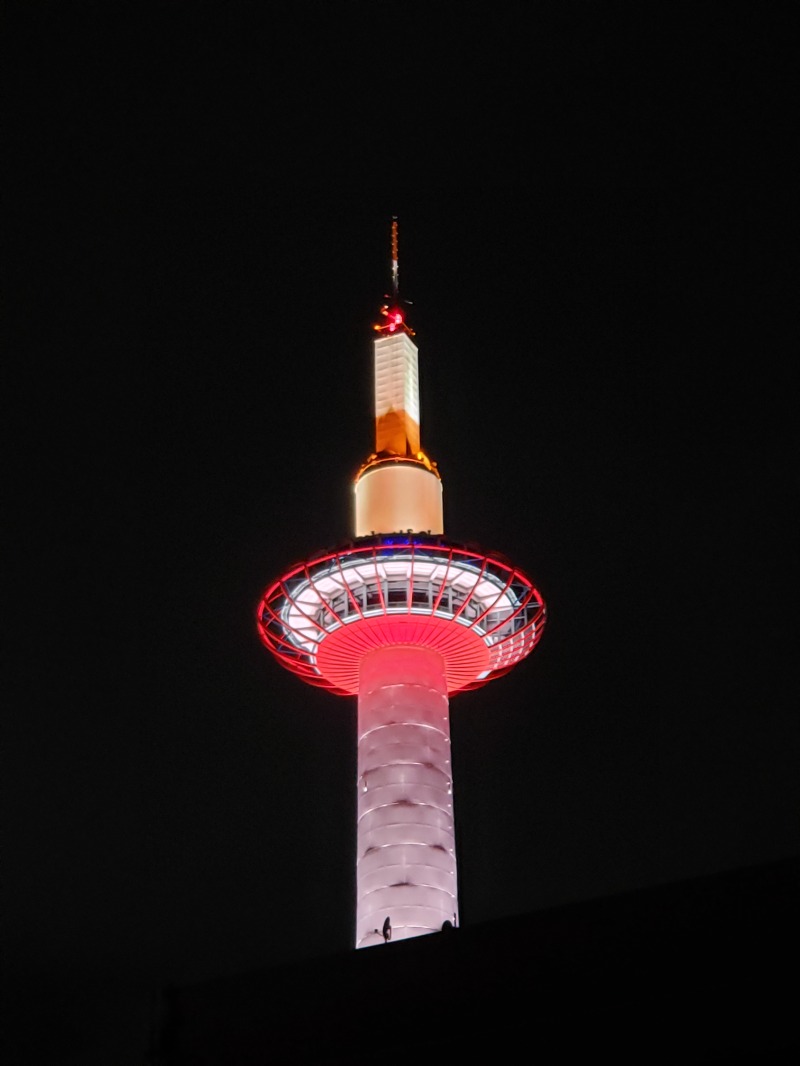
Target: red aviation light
x=394 y=320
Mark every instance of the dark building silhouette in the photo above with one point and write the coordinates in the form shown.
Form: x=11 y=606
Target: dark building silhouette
x=696 y=971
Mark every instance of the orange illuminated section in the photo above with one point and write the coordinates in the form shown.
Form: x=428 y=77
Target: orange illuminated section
x=398 y=488
x=398 y=496
x=396 y=432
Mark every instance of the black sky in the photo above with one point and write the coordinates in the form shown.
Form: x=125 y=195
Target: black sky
x=586 y=236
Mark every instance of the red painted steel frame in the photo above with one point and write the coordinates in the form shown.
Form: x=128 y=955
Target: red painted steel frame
x=333 y=660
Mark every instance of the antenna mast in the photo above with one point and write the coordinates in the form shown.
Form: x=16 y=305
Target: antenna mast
x=395 y=268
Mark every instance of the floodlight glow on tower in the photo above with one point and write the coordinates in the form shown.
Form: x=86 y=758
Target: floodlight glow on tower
x=403 y=619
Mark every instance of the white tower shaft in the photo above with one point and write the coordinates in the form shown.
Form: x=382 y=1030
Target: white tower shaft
x=396 y=394
x=406 y=860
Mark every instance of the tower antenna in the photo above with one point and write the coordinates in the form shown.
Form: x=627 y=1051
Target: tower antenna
x=395 y=265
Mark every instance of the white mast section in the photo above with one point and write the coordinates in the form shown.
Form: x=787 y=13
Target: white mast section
x=397 y=389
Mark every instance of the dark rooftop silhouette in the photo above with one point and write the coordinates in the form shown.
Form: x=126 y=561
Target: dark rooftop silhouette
x=693 y=971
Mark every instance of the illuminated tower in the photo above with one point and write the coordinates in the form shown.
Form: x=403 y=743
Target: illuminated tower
x=403 y=619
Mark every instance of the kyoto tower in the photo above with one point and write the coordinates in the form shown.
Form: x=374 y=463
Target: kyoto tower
x=403 y=619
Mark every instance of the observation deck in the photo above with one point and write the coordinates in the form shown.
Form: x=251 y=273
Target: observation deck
x=474 y=608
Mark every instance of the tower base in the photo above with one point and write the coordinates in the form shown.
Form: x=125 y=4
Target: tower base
x=406 y=860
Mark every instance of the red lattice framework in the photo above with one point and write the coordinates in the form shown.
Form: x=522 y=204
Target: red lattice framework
x=480 y=613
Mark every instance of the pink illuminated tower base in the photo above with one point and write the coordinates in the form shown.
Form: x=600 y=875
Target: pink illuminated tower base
x=406 y=843
x=404 y=619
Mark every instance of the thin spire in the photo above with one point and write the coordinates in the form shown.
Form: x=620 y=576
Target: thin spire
x=395 y=267
x=394 y=316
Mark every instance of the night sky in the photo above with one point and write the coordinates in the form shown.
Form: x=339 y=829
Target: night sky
x=606 y=385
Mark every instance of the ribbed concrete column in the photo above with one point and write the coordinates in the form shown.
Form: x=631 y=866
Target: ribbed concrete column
x=406 y=857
